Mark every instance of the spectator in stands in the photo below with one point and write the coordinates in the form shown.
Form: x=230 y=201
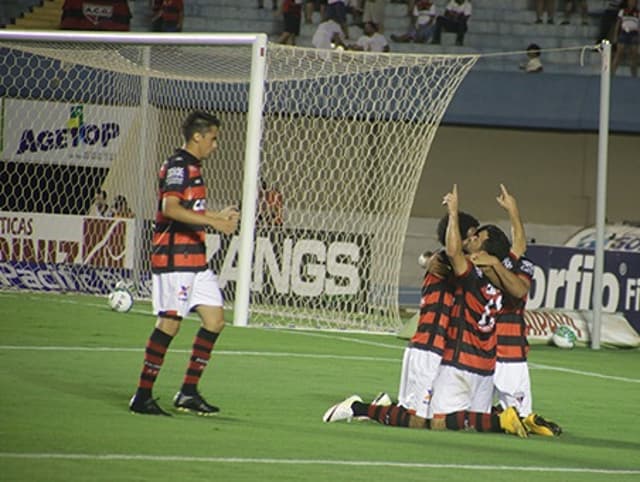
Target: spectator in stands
x=312 y=6
x=424 y=12
x=455 y=19
x=95 y=15
x=570 y=6
x=167 y=15
x=627 y=31
x=548 y=6
x=328 y=35
x=274 y=4
x=121 y=207
x=355 y=9
x=337 y=10
x=608 y=20
x=270 y=206
x=373 y=11
x=372 y=40
x=533 y=64
x=292 y=15
x=100 y=208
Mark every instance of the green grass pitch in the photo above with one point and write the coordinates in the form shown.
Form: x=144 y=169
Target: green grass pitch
x=69 y=366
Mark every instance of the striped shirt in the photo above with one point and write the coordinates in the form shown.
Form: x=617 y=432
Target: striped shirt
x=471 y=337
x=436 y=302
x=511 y=328
x=178 y=246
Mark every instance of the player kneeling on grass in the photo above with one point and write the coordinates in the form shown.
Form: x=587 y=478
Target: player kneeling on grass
x=382 y=410
x=181 y=278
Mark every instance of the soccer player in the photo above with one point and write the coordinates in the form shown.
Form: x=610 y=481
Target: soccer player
x=181 y=279
x=423 y=354
x=463 y=388
x=513 y=275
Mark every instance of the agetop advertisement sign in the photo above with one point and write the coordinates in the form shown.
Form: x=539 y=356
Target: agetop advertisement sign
x=563 y=279
x=64 y=133
x=63 y=253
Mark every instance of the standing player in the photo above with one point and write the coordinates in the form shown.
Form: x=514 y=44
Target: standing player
x=513 y=275
x=181 y=279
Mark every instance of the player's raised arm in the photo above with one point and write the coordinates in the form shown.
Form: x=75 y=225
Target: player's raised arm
x=453 y=240
x=518 y=238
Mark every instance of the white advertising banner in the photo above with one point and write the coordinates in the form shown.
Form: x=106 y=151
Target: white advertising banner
x=615 y=329
x=65 y=133
x=52 y=239
x=618 y=237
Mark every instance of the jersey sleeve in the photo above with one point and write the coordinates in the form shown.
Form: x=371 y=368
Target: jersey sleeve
x=175 y=181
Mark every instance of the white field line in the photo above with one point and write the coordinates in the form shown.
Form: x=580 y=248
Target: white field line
x=268 y=354
x=266 y=461
x=327 y=335
x=217 y=352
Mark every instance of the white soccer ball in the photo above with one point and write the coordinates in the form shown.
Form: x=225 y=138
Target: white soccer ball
x=120 y=300
x=564 y=337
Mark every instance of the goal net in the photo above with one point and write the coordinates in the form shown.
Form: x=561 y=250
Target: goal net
x=344 y=137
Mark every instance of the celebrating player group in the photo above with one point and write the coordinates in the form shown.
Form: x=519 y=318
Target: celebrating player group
x=465 y=368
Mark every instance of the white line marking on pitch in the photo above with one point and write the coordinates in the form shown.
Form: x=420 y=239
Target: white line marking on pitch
x=296 y=355
x=217 y=352
x=358 y=463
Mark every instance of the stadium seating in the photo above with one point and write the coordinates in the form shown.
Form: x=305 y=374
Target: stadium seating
x=506 y=26
x=31 y=14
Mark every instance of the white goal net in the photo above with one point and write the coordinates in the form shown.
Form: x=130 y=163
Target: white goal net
x=344 y=139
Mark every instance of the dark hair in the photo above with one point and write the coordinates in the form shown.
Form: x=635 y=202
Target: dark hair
x=198 y=121
x=497 y=244
x=465 y=222
x=534 y=48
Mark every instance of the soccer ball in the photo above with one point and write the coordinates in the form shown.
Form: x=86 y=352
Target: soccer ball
x=564 y=337
x=120 y=300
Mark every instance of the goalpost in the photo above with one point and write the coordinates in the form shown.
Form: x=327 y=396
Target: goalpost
x=341 y=137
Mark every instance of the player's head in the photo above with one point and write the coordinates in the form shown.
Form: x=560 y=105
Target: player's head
x=200 y=131
x=466 y=222
x=489 y=238
x=533 y=50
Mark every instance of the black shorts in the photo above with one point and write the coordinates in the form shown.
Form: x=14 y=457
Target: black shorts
x=292 y=23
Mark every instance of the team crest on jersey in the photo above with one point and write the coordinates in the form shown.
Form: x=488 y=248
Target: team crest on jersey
x=175 y=175
x=526 y=267
x=507 y=263
x=183 y=293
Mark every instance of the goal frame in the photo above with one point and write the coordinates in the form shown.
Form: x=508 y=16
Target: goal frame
x=258 y=43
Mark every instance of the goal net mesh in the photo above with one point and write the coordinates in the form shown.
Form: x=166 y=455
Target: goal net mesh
x=345 y=136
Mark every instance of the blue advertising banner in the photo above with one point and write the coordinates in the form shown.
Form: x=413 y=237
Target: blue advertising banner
x=563 y=279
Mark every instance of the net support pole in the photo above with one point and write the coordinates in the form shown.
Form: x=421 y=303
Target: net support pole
x=250 y=181
x=143 y=161
x=601 y=191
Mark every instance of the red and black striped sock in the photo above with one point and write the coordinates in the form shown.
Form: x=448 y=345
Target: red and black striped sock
x=154 y=353
x=393 y=415
x=480 y=422
x=200 y=355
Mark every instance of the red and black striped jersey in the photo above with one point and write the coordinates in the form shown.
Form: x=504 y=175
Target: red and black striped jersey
x=471 y=337
x=436 y=302
x=511 y=327
x=178 y=246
